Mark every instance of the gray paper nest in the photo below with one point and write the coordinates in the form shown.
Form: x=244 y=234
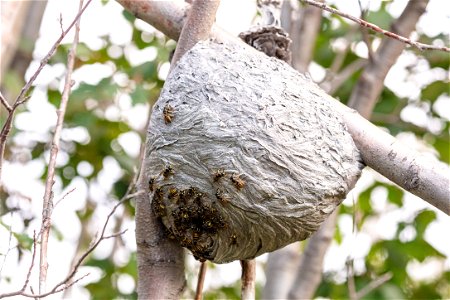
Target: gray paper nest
x=245 y=154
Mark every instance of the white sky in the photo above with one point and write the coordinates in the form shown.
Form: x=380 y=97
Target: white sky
x=235 y=16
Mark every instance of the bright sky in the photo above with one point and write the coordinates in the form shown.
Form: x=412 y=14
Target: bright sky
x=235 y=16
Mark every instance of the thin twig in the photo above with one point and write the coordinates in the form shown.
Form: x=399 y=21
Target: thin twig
x=376 y=28
x=9 y=245
x=30 y=269
x=38 y=296
x=63 y=197
x=365 y=33
x=197 y=27
x=248 y=279
x=47 y=208
x=351 y=280
x=201 y=280
x=66 y=282
x=5 y=103
x=95 y=244
x=373 y=285
x=21 y=98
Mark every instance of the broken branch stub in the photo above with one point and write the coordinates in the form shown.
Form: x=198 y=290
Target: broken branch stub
x=253 y=158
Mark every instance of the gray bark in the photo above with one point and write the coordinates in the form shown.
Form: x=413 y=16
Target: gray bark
x=21 y=21
x=309 y=273
x=281 y=268
x=160 y=260
x=305 y=27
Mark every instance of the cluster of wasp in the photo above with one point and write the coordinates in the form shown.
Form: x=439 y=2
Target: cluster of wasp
x=189 y=215
x=195 y=218
x=237 y=181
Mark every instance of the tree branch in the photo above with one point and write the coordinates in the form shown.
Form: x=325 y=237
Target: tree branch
x=303 y=33
x=371 y=82
x=375 y=28
x=197 y=27
x=48 y=195
x=281 y=268
x=248 y=279
x=373 y=285
x=201 y=280
x=309 y=273
x=365 y=105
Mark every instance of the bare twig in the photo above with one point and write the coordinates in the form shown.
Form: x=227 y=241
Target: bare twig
x=9 y=246
x=63 y=197
x=200 y=280
x=27 y=279
x=336 y=81
x=248 y=279
x=99 y=240
x=21 y=98
x=351 y=280
x=5 y=103
x=375 y=28
x=365 y=32
x=66 y=282
x=373 y=285
x=197 y=27
x=47 y=208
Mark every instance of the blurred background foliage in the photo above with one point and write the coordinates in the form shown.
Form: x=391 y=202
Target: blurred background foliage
x=103 y=115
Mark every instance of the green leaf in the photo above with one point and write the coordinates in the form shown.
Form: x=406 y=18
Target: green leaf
x=24 y=241
x=140 y=95
x=422 y=220
x=441 y=144
x=395 y=195
x=381 y=17
x=129 y=16
x=434 y=90
x=389 y=103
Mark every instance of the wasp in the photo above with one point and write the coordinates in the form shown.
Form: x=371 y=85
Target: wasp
x=172 y=193
x=238 y=182
x=233 y=239
x=151 y=182
x=221 y=196
x=168 y=113
x=218 y=174
x=159 y=193
x=168 y=170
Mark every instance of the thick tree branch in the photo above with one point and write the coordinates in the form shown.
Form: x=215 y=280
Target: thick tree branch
x=281 y=269
x=309 y=273
x=197 y=27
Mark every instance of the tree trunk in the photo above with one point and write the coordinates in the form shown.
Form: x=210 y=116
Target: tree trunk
x=21 y=21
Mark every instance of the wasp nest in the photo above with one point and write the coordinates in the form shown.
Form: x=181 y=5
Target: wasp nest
x=245 y=154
